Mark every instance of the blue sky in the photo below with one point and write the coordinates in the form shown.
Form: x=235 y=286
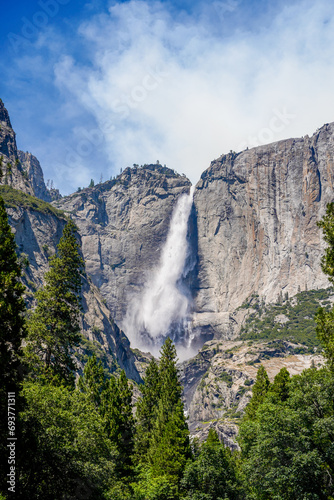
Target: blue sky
x=92 y=87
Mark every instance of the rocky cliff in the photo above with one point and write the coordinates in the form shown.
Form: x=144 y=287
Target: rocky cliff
x=123 y=224
x=256 y=221
x=37 y=232
x=18 y=169
x=33 y=171
x=253 y=228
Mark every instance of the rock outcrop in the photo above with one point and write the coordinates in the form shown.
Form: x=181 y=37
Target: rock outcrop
x=218 y=381
x=18 y=169
x=11 y=171
x=257 y=214
x=123 y=224
x=34 y=173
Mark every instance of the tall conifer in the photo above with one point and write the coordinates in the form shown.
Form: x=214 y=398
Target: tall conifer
x=260 y=390
x=12 y=332
x=146 y=411
x=116 y=408
x=54 y=327
x=169 y=446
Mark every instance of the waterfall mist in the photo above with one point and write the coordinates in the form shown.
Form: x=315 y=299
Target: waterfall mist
x=163 y=307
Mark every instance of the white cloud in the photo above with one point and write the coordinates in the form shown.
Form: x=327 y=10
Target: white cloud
x=176 y=92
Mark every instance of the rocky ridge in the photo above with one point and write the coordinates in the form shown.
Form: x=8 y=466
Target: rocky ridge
x=256 y=215
x=34 y=173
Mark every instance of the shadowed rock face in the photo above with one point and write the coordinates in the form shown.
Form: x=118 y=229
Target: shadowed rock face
x=256 y=222
x=123 y=224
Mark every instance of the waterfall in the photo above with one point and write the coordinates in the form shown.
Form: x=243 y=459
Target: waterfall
x=163 y=306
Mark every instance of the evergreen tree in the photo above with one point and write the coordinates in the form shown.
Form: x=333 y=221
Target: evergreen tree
x=12 y=307
x=53 y=326
x=93 y=381
x=281 y=384
x=116 y=408
x=212 y=439
x=147 y=410
x=260 y=390
x=212 y=475
x=169 y=445
x=66 y=453
x=12 y=332
x=324 y=318
x=287 y=452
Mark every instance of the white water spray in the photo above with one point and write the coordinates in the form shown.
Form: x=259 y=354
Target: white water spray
x=164 y=304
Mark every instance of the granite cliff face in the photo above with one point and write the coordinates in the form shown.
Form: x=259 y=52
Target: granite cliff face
x=256 y=221
x=34 y=173
x=37 y=234
x=18 y=169
x=123 y=224
x=11 y=171
x=253 y=228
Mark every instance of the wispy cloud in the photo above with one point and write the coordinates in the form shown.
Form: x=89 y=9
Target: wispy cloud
x=146 y=82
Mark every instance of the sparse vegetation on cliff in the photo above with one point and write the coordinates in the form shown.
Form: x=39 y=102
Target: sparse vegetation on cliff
x=292 y=320
x=14 y=198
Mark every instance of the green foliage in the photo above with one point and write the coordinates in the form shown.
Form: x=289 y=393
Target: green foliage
x=91 y=184
x=93 y=381
x=12 y=330
x=212 y=474
x=164 y=446
x=12 y=306
x=147 y=410
x=65 y=449
x=300 y=326
x=227 y=378
x=116 y=409
x=14 y=198
x=287 y=450
x=169 y=444
x=325 y=331
x=325 y=318
x=260 y=390
x=53 y=326
x=281 y=385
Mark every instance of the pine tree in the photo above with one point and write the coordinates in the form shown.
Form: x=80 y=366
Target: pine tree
x=147 y=410
x=212 y=475
x=212 y=439
x=169 y=445
x=53 y=326
x=12 y=332
x=12 y=307
x=324 y=318
x=93 y=381
x=116 y=408
x=281 y=384
x=260 y=390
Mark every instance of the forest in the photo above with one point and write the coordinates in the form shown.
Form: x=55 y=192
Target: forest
x=66 y=438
